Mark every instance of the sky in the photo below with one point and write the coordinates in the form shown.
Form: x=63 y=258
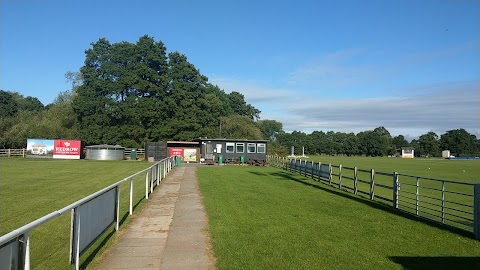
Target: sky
x=349 y=66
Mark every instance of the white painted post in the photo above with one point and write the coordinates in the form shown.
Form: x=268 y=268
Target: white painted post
x=23 y=152
x=395 y=190
x=9 y=152
x=293 y=151
x=417 y=195
x=443 y=201
x=355 y=180
x=151 y=180
x=131 y=196
x=146 y=185
x=77 y=251
x=117 y=214
x=158 y=173
x=476 y=210
x=330 y=173
x=303 y=151
x=372 y=184
x=26 y=250
x=340 y=176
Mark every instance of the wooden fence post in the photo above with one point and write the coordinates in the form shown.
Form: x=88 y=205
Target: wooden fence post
x=319 y=170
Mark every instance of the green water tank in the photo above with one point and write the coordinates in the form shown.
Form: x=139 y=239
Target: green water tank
x=220 y=159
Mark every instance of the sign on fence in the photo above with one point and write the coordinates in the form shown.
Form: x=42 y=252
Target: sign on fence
x=11 y=255
x=91 y=219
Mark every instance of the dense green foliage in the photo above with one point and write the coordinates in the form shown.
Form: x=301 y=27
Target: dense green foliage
x=379 y=142
x=134 y=93
x=273 y=219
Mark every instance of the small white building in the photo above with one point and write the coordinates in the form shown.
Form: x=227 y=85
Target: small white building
x=408 y=152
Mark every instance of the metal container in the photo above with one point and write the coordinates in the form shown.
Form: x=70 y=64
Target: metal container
x=105 y=152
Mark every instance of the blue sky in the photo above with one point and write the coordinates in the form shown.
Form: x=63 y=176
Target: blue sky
x=350 y=66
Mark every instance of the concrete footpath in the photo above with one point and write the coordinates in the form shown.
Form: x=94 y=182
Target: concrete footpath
x=170 y=232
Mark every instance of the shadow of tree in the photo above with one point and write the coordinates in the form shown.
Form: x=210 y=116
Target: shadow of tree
x=437 y=263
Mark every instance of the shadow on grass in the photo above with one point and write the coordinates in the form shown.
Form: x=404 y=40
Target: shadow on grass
x=442 y=263
x=374 y=204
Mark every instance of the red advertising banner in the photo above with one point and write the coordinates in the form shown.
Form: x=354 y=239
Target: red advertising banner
x=176 y=152
x=67 y=149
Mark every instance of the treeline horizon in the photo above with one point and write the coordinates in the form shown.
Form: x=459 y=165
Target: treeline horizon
x=133 y=93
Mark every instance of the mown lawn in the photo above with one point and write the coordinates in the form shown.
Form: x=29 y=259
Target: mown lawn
x=32 y=188
x=267 y=218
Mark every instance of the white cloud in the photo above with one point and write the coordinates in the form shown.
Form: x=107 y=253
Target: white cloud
x=445 y=107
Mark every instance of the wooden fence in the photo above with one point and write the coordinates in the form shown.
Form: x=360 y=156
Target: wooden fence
x=451 y=203
x=140 y=153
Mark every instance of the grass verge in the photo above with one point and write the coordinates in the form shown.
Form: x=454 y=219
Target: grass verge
x=267 y=218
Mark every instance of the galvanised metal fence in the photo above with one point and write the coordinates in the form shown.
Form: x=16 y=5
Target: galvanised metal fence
x=451 y=203
x=15 y=246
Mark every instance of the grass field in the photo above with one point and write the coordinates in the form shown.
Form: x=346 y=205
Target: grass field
x=267 y=218
x=429 y=205
x=32 y=188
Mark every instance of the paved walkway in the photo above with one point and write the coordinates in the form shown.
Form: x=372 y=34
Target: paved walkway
x=169 y=233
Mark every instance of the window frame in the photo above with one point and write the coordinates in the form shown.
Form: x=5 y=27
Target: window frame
x=264 y=145
x=227 y=144
x=254 y=146
x=243 y=148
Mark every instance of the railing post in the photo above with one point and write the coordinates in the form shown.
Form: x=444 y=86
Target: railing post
x=330 y=173
x=395 y=190
x=355 y=172
x=131 y=196
x=417 y=195
x=117 y=214
x=319 y=170
x=26 y=250
x=476 y=210
x=146 y=185
x=443 y=201
x=158 y=173
x=340 y=176
x=151 y=180
x=23 y=152
x=305 y=169
x=8 y=152
x=372 y=184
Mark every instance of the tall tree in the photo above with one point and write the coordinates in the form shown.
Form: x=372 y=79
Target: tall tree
x=270 y=128
x=8 y=104
x=400 y=141
x=429 y=144
x=459 y=142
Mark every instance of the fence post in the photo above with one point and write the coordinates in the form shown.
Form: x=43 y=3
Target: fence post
x=117 y=214
x=395 y=190
x=443 y=201
x=23 y=152
x=151 y=180
x=146 y=185
x=476 y=210
x=319 y=171
x=372 y=184
x=330 y=173
x=340 y=176
x=131 y=196
x=26 y=250
x=417 y=195
x=355 y=171
x=8 y=152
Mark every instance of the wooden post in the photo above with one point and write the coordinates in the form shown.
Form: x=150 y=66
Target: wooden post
x=330 y=173
x=319 y=171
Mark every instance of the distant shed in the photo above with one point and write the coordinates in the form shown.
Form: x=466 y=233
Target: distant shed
x=233 y=150
x=105 y=152
x=408 y=152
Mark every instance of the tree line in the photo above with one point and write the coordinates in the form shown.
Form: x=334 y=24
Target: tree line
x=379 y=142
x=133 y=93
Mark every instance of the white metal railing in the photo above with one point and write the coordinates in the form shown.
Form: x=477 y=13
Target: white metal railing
x=20 y=236
x=452 y=203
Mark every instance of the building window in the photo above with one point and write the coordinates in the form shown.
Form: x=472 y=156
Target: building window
x=261 y=148
x=230 y=147
x=251 y=147
x=240 y=147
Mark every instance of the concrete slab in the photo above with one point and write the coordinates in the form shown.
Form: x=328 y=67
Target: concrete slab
x=169 y=233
